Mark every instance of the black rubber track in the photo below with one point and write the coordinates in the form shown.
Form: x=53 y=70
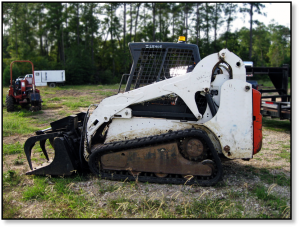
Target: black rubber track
x=101 y=150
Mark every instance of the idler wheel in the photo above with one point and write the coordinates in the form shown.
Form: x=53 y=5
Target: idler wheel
x=194 y=149
x=161 y=175
x=209 y=163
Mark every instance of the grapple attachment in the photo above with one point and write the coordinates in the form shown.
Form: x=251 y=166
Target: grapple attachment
x=65 y=137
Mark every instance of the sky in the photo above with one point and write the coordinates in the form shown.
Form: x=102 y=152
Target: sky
x=280 y=12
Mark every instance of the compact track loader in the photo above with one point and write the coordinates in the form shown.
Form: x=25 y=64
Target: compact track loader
x=178 y=117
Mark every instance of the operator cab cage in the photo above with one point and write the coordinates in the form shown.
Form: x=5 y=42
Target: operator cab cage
x=153 y=62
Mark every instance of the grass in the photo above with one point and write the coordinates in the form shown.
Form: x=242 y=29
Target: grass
x=268 y=83
x=276 y=125
x=37 y=191
x=62 y=202
x=11 y=178
x=19 y=122
x=279 y=179
x=285 y=154
x=74 y=102
x=274 y=202
x=9 y=210
x=15 y=148
x=65 y=197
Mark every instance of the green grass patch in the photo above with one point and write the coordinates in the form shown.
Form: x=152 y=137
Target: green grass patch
x=19 y=161
x=276 y=125
x=54 y=99
x=287 y=146
x=265 y=83
x=62 y=201
x=15 y=148
x=46 y=106
x=11 y=178
x=270 y=200
x=106 y=93
x=279 y=179
x=9 y=209
x=74 y=103
x=211 y=209
x=285 y=154
x=19 y=122
x=37 y=191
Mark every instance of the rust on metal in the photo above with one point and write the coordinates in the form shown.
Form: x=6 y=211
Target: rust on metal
x=162 y=175
x=227 y=148
x=161 y=159
x=194 y=148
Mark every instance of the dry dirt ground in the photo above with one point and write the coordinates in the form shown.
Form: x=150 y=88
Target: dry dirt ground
x=239 y=176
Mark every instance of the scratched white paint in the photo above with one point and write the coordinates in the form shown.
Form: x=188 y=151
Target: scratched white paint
x=231 y=123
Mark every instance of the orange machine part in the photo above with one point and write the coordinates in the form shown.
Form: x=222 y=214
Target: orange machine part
x=257 y=121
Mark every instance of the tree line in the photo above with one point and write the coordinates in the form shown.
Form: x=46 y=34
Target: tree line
x=89 y=40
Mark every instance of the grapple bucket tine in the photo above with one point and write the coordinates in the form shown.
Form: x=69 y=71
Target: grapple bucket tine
x=62 y=164
x=42 y=145
x=27 y=148
x=31 y=142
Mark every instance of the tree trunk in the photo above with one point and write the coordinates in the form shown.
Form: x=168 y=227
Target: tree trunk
x=216 y=22
x=228 y=24
x=16 y=30
x=160 y=22
x=197 y=25
x=77 y=20
x=136 y=20
x=124 y=28
x=186 y=21
x=62 y=46
x=130 y=22
x=153 y=19
x=251 y=22
x=124 y=31
x=92 y=48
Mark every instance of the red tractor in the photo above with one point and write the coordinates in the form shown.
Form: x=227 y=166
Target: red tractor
x=23 y=91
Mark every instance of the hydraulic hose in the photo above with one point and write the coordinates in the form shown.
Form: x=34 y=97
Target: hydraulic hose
x=211 y=104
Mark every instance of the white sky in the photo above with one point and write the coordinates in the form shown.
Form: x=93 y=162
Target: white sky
x=280 y=12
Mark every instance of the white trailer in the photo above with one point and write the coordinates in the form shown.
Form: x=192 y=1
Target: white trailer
x=48 y=77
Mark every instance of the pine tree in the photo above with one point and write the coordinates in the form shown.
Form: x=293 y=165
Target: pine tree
x=230 y=10
x=253 y=8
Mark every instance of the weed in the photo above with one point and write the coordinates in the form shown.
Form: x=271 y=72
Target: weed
x=11 y=178
x=285 y=154
x=10 y=210
x=211 y=208
x=15 y=148
x=13 y=123
x=288 y=146
x=37 y=191
x=18 y=161
x=274 y=202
